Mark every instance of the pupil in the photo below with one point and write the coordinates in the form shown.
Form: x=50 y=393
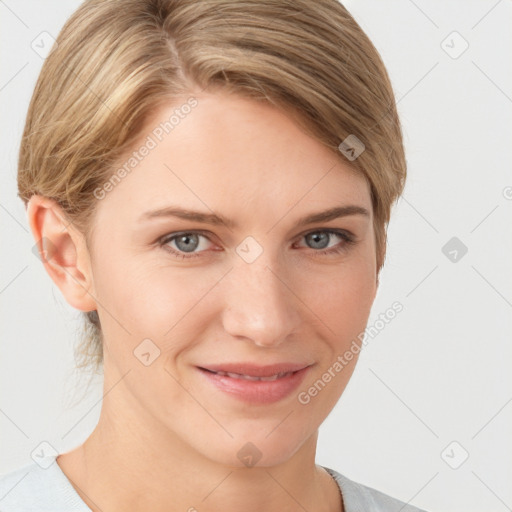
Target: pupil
x=319 y=240
x=187 y=247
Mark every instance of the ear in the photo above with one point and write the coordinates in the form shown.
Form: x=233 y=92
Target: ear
x=63 y=252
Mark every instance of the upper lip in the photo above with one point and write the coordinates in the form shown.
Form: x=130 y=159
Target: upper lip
x=253 y=370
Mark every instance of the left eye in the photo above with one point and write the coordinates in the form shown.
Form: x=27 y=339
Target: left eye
x=320 y=239
x=185 y=242
x=191 y=244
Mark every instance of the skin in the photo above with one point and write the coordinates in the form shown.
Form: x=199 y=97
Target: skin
x=166 y=440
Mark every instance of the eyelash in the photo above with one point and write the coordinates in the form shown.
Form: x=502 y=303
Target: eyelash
x=347 y=239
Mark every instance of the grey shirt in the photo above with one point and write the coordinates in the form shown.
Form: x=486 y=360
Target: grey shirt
x=43 y=487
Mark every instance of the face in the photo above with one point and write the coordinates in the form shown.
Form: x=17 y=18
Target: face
x=252 y=278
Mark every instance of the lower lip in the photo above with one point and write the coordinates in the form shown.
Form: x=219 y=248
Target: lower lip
x=257 y=391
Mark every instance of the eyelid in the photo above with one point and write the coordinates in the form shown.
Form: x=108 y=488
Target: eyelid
x=207 y=234
x=175 y=234
x=334 y=231
x=347 y=238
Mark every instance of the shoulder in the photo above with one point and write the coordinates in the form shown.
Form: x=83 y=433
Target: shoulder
x=39 y=488
x=358 y=497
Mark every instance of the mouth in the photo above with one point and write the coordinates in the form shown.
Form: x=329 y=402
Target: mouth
x=255 y=384
x=249 y=377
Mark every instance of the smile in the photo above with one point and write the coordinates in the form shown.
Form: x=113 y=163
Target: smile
x=272 y=387
x=251 y=377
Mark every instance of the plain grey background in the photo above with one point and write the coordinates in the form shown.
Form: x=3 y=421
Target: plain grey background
x=428 y=414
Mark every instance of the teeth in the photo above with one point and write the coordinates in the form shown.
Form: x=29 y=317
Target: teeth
x=237 y=376
x=250 y=377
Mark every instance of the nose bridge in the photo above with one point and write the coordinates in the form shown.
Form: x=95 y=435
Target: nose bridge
x=258 y=304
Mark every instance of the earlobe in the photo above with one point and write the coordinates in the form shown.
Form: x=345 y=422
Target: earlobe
x=63 y=252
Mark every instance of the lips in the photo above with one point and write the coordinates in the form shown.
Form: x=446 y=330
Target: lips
x=250 y=377
x=255 y=384
x=250 y=370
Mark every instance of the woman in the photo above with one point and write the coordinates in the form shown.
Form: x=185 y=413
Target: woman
x=210 y=183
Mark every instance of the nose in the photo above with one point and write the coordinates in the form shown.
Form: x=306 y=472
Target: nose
x=259 y=303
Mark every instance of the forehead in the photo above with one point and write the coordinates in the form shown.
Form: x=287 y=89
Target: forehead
x=231 y=154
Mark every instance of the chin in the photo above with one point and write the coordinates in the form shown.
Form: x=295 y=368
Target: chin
x=254 y=448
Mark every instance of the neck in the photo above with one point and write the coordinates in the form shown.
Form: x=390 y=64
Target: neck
x=134 y=465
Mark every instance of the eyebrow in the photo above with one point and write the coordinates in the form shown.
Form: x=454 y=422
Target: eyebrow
x=217 y=220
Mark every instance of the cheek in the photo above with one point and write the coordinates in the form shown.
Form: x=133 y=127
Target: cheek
x=163 y=303
x=341 y=297
x=172 y=304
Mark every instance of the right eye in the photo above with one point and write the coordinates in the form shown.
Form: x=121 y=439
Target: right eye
x=184 y=244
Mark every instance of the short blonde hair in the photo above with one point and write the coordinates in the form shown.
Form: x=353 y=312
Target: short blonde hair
x=116 y=61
